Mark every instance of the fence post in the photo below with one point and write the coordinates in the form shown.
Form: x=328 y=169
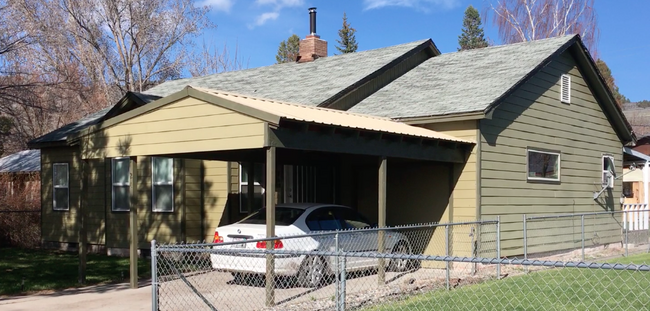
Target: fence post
x=499 y=246
x=626 y=230
x=525 y=243
x=337 y=294
x=447 y=276
x=341 y=299
x=154 y=276
x=582 y=235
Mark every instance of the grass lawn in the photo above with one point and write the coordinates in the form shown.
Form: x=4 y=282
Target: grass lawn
x=557 y=289
x=48 y=270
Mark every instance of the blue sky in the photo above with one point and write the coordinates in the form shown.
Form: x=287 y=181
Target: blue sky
x=257 y=27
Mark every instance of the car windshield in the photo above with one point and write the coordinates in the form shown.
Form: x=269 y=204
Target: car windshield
x=284 y=216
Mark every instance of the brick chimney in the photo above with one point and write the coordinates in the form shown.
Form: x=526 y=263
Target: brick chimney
x=312 y=47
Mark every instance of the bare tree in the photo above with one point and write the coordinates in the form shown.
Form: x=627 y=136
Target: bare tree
x=526 y=20
x=211 y=60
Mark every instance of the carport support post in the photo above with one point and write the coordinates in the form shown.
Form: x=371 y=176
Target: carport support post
x=133 y=222
x=83 y=237
x=270 y=224
x=381 y=219
x=250 y=188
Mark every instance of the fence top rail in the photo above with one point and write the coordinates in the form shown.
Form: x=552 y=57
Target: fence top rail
x=330 y=233
x=482 y=260
x=578 y=215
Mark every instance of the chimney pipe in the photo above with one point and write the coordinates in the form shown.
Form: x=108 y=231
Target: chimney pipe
x=312 y=21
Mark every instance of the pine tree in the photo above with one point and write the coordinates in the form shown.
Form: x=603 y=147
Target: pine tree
x=348 y=41
x=288 y=50
x=472 y=36
x=606 y=73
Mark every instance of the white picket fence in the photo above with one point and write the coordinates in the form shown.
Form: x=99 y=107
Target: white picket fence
x=636 y=216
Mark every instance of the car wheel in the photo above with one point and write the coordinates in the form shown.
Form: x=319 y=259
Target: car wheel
x=400 y=265
x=313 y=272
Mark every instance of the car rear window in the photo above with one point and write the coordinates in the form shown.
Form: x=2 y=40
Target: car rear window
x=284 y=216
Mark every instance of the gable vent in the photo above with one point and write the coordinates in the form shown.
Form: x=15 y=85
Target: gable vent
x=565 y=91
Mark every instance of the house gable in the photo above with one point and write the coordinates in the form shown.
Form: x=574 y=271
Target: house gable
x=534 y=117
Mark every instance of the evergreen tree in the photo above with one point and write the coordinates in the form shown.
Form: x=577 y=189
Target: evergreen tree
x=348 y=41
x=472 y=36
x=606 y=73
x=288 y=50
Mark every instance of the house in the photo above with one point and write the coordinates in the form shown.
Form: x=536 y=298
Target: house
x=403 y=134
x=20 y=176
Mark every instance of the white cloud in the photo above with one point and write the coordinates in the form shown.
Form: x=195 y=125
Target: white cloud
x=281 y=3
x=265 y=17
x=277 y=5
x=219 y=5
x=418 y=4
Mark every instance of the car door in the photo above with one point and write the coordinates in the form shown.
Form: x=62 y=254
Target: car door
x=363 y=241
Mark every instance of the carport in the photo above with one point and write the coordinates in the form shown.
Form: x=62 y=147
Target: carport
x=205 y=124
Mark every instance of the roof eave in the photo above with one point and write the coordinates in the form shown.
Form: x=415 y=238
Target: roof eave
x=465 y=116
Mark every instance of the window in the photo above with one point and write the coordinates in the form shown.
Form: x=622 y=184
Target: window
x=323 y=219
x=162 y=180
x=61 y=187
x=565 y=89
x=121 y=183
x=284 y=216
x=258 y=190
x=543 y=165
x=609 y=172
x=628 y=190
x=351 y=219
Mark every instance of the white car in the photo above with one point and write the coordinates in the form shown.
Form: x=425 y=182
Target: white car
x=300 y=219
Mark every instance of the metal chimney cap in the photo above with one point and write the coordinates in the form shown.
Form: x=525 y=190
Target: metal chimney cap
x=312 y=10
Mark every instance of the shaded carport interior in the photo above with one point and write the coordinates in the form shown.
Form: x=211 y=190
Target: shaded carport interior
x=211 y=125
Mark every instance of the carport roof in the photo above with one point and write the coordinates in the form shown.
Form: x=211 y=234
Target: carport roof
x=288 y=111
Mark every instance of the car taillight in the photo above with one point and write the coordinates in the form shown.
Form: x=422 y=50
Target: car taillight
x=217 y=238
x=276 y=244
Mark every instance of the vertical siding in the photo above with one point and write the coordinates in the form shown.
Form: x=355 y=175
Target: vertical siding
x=465 y=192
x=215 y=190
x=193 y=205
x=60 y=226
x=95 y=208
x=534 y=117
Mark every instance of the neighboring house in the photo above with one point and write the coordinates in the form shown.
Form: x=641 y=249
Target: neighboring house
x=636 y=183
x=20 y=183
x=526 y=128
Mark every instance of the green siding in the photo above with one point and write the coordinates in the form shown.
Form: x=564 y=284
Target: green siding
x=533 y=116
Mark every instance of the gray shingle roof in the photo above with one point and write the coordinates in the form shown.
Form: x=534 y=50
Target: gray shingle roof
x=460 y=82
x=306 y=83
x=62 y=133
x=23 y=161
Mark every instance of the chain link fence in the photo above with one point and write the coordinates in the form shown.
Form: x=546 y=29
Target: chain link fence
x=586 y=236
x=420 y=267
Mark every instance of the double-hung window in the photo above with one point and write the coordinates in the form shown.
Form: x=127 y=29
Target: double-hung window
x=543 y=166
x=61 y=187
x=162 y=188
x=121 y=184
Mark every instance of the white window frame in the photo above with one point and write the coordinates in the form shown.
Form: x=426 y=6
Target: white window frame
x=565 y=79
x=117 y=184
x=243 y=184
x=55 y=186
x=154 y=184
x=544 y=179
x=609 y=182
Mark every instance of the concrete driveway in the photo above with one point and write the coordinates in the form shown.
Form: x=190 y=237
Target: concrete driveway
x=100 y=297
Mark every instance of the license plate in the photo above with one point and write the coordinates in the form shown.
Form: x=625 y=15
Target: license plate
x=242 y=245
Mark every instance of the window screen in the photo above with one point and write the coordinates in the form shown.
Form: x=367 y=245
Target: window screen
x=543 y=165
x=61 y=187
x=162 y=179
x=121 y=184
